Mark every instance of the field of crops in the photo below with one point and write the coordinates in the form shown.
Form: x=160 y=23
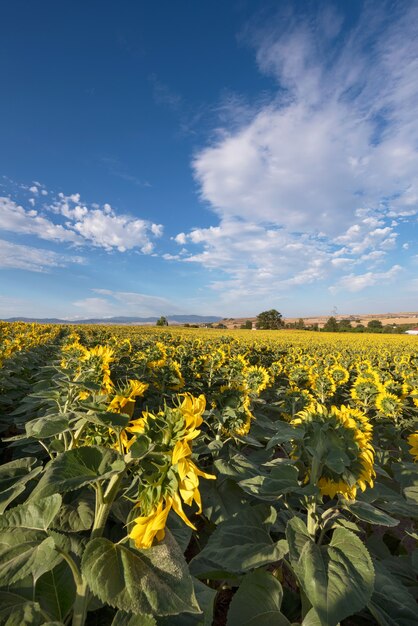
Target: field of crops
x=182 y=477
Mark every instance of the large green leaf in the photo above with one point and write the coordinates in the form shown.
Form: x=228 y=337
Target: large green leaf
x=282 y=479
x=15 y=610
x=206 y=598
x=240 y=544
x=13 y=479
x=34 y=515
x=47 y=426
x=369 y=513
x=74 y=468
x=24 y=552
x=76 y=516
x=153 y=581
x=257 y=602
x=179 y=530
x=237 y=466
x=284 y=432
x=55 y=591
x=391 y=603
x=127 y=619
x=222 y=500
x=117 y=421
x=311 y=618
x=338 y=579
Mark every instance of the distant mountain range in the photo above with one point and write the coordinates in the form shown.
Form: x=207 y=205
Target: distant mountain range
x=172 y=319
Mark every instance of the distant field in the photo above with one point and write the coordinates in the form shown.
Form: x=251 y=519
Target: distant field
x=385 y=318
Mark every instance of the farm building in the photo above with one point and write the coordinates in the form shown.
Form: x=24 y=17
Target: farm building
x=412 y=331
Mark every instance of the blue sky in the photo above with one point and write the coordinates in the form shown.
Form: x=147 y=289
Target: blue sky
x=206 y=157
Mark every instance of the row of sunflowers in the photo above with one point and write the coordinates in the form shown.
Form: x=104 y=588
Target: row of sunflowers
x=181 y=476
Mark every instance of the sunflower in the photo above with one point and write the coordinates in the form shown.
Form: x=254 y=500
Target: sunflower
x=340 y=440
x=256 y=379
x=157 y=355
x=365 y=390
x=338 y=373
x=124 y=401
x=388 y=404
x=413 y=442
x=294 y=400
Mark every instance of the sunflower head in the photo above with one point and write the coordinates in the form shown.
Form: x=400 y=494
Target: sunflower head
x=388 y=404
x=335 y=449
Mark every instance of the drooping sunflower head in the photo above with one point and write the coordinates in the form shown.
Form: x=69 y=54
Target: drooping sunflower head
x=233 y=407
x=124 y=400
x=336 y=445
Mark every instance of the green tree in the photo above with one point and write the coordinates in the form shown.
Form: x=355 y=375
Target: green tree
x=270 y=320
x=345 y=325
x=375 y=326
x=162 y=321
x=331 y=325
x=247 y=325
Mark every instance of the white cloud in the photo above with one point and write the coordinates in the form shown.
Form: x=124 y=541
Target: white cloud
x=14 y=218
x=100 y=227
x=353 y=282
x=324 y=165
x=16 y=256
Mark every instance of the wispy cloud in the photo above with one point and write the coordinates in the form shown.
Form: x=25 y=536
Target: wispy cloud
x=325 y=164
x=17 y=256
x=125 y=303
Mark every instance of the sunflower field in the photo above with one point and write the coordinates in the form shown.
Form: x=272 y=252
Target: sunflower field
x=182 y=477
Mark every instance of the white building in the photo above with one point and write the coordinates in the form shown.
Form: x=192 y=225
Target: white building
x=413 y=331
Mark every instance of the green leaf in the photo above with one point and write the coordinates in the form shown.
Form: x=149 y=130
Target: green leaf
x=391 y=603
x=282 y=479
x=13 y=479
x=284 y=432
x=117 y=421
x=179 y=530
x=221 y=500
x=237 y=467
x=47 y=426
x=74 y=468
x=32 y=515
x=311 y=619
x=127 y=619
x=153 y=581
x=206 y=597
x=257 y=602
x=240 y=544
x=338 y=579
x=369 y=513
x=55 y=591
x=75 y=517
x=24 y=552
x=15 y=610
